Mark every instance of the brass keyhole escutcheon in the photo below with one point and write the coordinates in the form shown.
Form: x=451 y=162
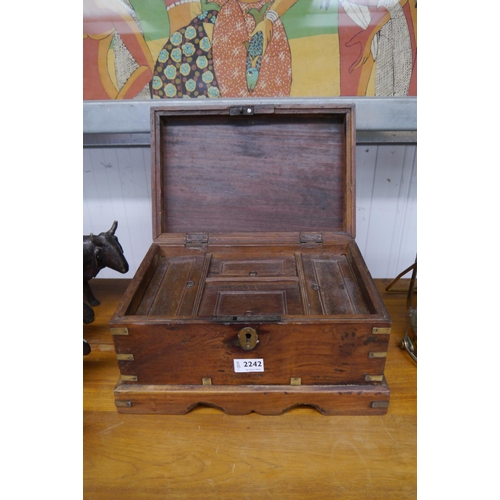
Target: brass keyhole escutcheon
x=248 y=338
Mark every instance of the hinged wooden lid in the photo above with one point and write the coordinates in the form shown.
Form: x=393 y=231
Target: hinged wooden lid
x=245 y=167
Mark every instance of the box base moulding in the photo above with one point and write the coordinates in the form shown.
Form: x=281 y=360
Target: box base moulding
x=265 y=400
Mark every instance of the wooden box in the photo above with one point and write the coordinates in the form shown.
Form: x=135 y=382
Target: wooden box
x=254 y=295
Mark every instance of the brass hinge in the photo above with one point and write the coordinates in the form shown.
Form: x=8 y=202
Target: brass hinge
x=196 y=240
x=295 y=381
x=311 y=239
x=128 y=378
x=374 y=378
x=206 y=381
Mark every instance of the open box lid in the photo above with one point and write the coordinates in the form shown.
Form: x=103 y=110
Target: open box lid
x=233 y=168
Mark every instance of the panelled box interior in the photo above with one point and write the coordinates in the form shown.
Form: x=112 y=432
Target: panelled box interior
x=254 y=295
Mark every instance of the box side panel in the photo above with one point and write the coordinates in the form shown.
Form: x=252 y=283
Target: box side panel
x=313 y=354
x=363 y=277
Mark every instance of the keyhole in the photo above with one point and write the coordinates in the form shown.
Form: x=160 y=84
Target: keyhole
x=247 y=338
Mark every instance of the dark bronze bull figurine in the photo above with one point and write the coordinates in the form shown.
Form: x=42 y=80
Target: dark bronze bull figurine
x=103 y=250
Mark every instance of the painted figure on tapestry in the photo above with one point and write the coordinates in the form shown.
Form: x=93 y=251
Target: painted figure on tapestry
x=377 y=43
x=249 y=48
x=232 y=48
x=117 y=62
x=185 y=64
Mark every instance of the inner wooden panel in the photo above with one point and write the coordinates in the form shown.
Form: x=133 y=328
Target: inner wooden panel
x=217 y=283
x=253 y=173
x=173 y=288
x=337 y=290
x=251 y=299
x=254 y=267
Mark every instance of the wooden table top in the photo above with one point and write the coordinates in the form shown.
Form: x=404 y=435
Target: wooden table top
x=207 y=454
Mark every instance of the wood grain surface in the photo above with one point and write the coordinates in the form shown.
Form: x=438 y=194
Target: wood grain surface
x=207 y=454
x=214 y=171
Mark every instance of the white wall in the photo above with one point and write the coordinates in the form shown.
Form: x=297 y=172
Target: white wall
x=386 y=208
x=117 y=186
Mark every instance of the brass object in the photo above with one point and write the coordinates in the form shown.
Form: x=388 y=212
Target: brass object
x=412 y=268
x=119 y=331
x=248 y=338
x=206 y=381
x=409 y=341
x=409 y=345
x=129 y=378
x=381 y=331
x=125 y=357
x=295 y=381
x=374 y=378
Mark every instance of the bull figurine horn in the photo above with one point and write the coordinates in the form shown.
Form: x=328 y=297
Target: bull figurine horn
x=113 y=228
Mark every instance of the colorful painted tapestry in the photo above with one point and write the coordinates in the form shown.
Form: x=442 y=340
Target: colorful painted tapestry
x=161 y=49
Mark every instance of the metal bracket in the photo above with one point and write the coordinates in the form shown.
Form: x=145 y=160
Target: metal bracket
x=196 y=240
x=123 y=404
x=119 y=331
x=381 y=331
x=241 y=110
x=311 y=239
x=247 y=319
x=125 y=357
x=380 y=404
x=377 y=355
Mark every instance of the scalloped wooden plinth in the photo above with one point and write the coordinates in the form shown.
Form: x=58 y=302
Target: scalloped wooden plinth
x=241 y=400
